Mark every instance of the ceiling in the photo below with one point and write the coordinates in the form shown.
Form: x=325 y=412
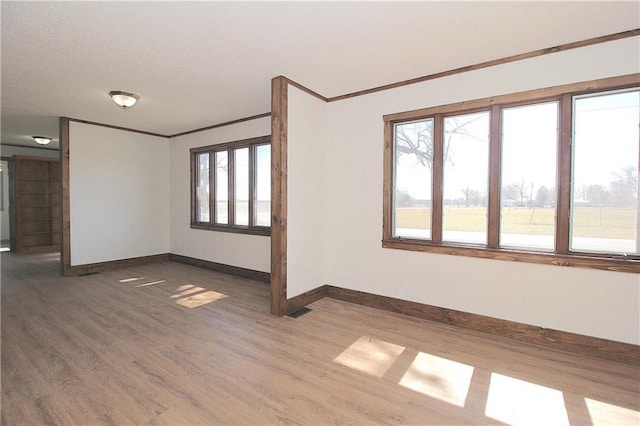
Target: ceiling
x=197 y=64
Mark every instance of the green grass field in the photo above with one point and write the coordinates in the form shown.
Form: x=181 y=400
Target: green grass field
x=588 y=221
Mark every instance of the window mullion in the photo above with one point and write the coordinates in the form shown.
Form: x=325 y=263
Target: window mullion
x=438 y=164
x=495 y=167
x=194 y=180
x=212 y=187
x=252 y=184
x=231 y=181
x=564 y=176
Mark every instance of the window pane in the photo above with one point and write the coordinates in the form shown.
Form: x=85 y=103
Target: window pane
x=222 y=187
x=528 y=193
x=202 y=188
x=413 y=153
x=241 y=166
x=262 y=205
x=604 y=201
x=465 y=180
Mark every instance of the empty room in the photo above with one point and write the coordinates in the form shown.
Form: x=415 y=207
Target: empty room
x=320 y=212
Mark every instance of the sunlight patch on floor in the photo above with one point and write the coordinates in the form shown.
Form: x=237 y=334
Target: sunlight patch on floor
x=200 y=299
x=370 y=356
x=608 y=414
x=518 y=402
x=191 y=290
x=185 y=287
x=439 y=378
x=128 y=280
x=151 y=283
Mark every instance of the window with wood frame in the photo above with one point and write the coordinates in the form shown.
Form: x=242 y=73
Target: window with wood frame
x=231 y=186
x=546 y=176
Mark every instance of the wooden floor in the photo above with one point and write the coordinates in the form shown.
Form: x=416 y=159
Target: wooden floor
x=173 y=344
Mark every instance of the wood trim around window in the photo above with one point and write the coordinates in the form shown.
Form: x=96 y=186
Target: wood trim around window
x=562 y=256
x=230 y=148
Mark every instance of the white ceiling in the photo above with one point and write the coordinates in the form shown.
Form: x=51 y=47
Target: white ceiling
x=200 y=63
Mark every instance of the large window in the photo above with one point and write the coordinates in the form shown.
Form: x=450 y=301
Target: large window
x=466 y=178
x=528 y=176
x=547 y=176
x=413 y=172
x=231 y=186
x=604 y=195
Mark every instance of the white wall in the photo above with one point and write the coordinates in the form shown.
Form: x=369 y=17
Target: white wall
x=585 y=301
x=119 y=194
x=306 y=186
x=245 y=251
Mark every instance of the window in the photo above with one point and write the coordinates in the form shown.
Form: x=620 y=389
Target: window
x=231 y=186
x=202 y=187
x=413 y=174
x=528 y=176
x=465 y=181
x=548 y=176
x=604 y=199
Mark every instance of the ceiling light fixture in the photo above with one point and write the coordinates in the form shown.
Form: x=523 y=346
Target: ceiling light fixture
x=42 y=140
x=124 y=99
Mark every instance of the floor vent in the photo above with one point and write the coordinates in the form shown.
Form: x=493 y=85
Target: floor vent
x=300 y=312
x=88 y=273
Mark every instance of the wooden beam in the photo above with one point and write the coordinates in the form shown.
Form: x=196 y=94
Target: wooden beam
x=65 y=226
x=279 y=95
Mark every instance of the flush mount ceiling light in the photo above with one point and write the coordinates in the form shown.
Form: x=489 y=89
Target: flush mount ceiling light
x=42 y=140
x=124 y=99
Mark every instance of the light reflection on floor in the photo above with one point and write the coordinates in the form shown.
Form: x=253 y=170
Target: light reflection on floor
x=608 y=414
x=186 y=295
x=131 y=279
x=516 y=401
x=439 y=378
x=151 y=283
x=200 y=299
x=370 y=356
x=509 y=400
x=186 y=290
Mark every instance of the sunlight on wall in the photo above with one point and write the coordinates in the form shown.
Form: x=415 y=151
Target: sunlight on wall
x=370 y=356
x=608 y=414
x=439 y=378
x=515 y=401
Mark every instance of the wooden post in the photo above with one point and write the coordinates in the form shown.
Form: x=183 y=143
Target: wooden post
x=279 y=86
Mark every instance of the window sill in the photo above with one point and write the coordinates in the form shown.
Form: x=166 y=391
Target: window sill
x=264 y=231
x=608 y=263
